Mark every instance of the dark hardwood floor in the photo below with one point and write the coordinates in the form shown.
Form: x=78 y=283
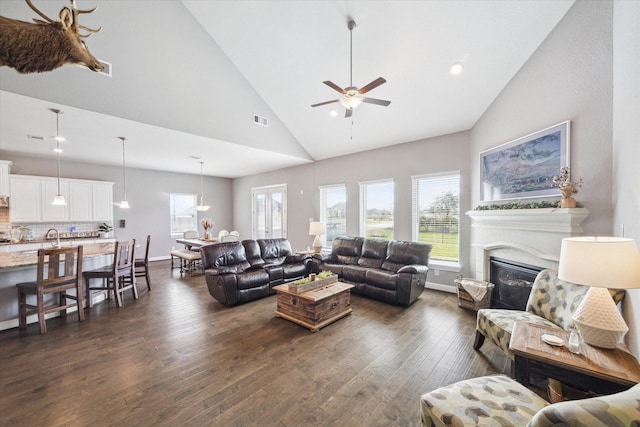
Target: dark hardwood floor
x=176 y=356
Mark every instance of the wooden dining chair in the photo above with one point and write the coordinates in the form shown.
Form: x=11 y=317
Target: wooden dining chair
x=118 y=277
x=59 y=270
x=142 y=265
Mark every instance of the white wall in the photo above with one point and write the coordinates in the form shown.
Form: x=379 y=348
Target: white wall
x=147 y=193
x=626 y=141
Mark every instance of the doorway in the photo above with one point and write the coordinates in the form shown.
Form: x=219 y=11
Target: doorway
x=269 y=212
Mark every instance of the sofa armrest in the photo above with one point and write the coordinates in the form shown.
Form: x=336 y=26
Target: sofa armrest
x=217 y=271
x=297 y=258
x=414 y=269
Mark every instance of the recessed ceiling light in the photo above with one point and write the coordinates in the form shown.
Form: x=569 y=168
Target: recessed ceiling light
x=333 y=112
x=456 y=68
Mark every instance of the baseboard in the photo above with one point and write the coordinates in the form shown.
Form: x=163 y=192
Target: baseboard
x=440 y=287
x=160 y=258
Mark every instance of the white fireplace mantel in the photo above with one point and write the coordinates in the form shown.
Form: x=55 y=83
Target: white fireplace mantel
x=531 y=236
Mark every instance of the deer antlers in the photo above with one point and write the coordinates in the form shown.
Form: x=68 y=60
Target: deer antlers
x=66 y=19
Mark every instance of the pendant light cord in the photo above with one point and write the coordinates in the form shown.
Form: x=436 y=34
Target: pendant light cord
x=124 y=175
x=58 y=147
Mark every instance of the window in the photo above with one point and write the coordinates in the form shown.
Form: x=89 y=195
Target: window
x=376 y=209
x=333 y=212
x=183 y=212
x=436 y=213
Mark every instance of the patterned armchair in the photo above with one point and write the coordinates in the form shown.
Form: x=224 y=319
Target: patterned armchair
x=552 y=302
x=499 y=401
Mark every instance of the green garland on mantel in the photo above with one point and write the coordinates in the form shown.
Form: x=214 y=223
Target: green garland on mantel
x=519 y=205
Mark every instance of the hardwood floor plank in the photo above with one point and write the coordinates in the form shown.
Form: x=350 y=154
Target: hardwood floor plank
x=175 y=356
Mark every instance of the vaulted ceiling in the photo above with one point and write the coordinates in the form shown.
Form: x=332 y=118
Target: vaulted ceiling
x=188 y=77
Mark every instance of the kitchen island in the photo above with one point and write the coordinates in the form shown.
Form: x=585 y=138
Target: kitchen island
x=19 y=265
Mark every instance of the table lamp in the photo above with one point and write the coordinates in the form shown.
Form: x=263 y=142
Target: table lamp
x=600 y=262
x=317 y=228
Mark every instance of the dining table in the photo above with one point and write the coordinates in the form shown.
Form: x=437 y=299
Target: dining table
x=195 y=243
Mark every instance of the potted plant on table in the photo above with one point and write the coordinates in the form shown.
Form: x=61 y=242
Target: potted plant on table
x=104 y=229
x=207 y=225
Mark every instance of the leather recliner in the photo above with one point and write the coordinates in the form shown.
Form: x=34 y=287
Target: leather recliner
x=239 y=272
x=391 y=271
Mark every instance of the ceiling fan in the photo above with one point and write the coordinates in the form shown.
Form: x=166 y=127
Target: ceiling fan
x=352 y=96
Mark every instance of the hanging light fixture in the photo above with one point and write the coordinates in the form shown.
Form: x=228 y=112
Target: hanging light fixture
x=201 y=206
x=124 y=204
x=58 y=200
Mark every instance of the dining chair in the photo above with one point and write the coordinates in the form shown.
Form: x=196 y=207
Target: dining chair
x=141 y=265
x=118 y=277
x=222 y=234
x=58 y=271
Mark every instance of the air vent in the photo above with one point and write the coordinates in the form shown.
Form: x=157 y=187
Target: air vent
x=38 y=137
x=259 y=120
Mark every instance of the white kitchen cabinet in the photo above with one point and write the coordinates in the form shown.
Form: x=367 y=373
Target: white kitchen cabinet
x=87 y=201
x=25 y=199
x=80 y=201
x=5 y=166
x=48 y=190
x=103 y=201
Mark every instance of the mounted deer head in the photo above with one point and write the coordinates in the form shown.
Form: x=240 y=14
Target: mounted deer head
x=46 y=45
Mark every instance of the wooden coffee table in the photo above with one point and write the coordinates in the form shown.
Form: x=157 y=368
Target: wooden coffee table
x=316 y=308
x=603 y=371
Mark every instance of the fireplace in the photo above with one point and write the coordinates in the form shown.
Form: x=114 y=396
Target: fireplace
x=513 y=281
x=524 y=237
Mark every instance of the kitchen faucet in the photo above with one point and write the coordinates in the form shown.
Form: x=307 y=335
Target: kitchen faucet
x=57 y=245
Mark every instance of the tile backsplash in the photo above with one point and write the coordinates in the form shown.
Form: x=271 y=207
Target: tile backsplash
x=39 y=230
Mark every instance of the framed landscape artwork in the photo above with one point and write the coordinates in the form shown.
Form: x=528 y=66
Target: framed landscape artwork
x=525 y=167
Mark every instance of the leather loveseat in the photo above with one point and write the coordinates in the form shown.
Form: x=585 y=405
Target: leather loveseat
x=238 y=272
x=391 y=271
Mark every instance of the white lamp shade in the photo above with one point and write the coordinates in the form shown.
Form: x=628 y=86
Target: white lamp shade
x=600 y=262
x=59 y=200
x=124 y=204
x=316 y=228
x=605 y=262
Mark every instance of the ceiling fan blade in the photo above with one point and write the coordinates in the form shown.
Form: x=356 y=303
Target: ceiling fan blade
x=334 y=86
x=376 y=101
x=325 y=103
x=374 y=84
x=348 y=113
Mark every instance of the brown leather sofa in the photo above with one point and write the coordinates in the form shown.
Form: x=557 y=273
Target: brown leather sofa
x=390 y=271
x=239 y=272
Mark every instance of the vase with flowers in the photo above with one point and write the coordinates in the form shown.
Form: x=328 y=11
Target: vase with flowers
x=207 y=225
x=567 y=187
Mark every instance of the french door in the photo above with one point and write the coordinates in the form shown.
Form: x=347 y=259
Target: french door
x=269 y=212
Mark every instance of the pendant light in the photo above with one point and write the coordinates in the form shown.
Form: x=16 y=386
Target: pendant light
x=201 y=206
x=124 y=204
x=58 y=200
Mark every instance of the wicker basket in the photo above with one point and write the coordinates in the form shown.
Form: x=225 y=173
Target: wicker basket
x=465 y=300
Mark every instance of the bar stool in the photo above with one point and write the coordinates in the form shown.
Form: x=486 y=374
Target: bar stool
x=118 y=277
x=142 y=265
x=64 y=266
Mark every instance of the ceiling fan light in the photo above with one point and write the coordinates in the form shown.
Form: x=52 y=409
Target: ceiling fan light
x=333 y=112
x=351 y=102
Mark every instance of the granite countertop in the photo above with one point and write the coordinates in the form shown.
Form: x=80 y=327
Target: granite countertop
x=28 y=258
x=42 y=240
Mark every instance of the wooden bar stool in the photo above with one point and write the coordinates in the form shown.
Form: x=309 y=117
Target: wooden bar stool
x=118 y=277
x=142 y=265
x=59 y=270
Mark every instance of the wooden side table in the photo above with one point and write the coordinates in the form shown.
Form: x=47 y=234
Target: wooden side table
x=603 y=371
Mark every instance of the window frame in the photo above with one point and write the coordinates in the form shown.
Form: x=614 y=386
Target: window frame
x=444 y=179
x=323 y=210
x=363 y=208
x=172 y=216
